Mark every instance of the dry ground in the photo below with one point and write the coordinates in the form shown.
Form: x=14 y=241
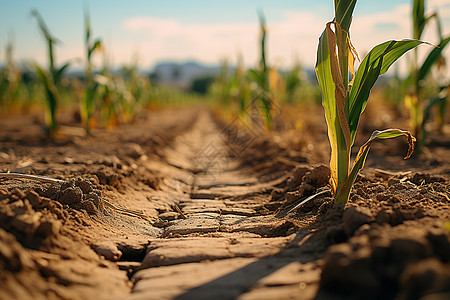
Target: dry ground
x=221 y=220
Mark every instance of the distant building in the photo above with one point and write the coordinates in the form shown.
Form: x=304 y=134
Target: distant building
x=180 y=75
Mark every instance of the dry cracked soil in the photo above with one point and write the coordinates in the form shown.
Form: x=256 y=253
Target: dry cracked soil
x=181 y=204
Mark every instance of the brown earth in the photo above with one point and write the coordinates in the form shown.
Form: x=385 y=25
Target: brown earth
x=221 y=213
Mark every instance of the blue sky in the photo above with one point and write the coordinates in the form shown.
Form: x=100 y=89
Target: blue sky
x=207 y=31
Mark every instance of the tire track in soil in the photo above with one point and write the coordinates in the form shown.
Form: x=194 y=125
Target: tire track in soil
x=228 y=246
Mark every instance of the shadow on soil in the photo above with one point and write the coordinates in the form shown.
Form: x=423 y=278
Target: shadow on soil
x=236 y=283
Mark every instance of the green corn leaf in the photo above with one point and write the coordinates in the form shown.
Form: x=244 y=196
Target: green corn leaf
x=262 y=22
x=96 y=46
x=87 y=26
x=267 y=108
x=438 y=26
x=257 y=76
x=52 y=99
x=43 y=27
x=343 y=12
x=419 y=19
x=41 y=73
x=48 y=84
x=61 y=70
x=376 y=63
x=339 y=154
x=343 y=193
x=49 y=38
x=343 y=16
x=432 y=58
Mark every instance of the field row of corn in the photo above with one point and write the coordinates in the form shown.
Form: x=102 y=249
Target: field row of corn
x=424 y=88
x=106 y=98
x=102 y=97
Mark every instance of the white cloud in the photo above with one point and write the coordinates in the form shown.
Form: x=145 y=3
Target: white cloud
x=369 y=30
x=170 y=39
x=373 y=29
x=294 y=37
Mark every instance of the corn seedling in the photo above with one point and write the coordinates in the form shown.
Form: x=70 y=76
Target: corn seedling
x=10 y=80
x=240 y=90
x=293 y=81
x=221 y=86
x=88 y=101
x=221 y=90
x=51 y=79
x=345 y=94
x=419 y=108
x=107 y=94
x=394 y=92
x=135 y=90
x=265 y=78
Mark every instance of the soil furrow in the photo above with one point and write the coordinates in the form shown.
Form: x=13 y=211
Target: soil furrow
x=217 y=228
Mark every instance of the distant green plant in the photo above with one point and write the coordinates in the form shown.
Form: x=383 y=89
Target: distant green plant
x=134 y=89
x=124 y=94
x=395 y=90
x=88 y=101
x=265 y=79
x=232 y=90
x=293 y=82
x=107 y=92
x=221 y=87
x=419 y=107
x=11 y=83
x=51 y=78
x=240 y=90
x=345 y=94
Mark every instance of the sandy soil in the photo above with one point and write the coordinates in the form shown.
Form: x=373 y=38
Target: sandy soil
x=218 y=213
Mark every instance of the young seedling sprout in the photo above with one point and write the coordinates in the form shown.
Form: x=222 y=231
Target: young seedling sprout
x=51 y=79
x=345 y=94
x=88 y=103
x=265 y=78
x=419 y=107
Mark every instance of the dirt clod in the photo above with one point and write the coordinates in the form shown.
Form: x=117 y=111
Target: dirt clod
x=427 y=277
x=71 y=195
x=12 y=258
x=354 y=217
x=379 y=265
x=107 y=250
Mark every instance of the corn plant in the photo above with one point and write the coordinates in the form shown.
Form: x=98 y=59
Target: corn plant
x=221 y=90
x=107 y=92
x=345 y=94
x=221 y=86
x=240 y=90
x=137 y=85
x=265 y=78
x=419 y=108
x=293 y=82
x=11 y=83
x=51 y=79
x=88 y=101
x=394 y=92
